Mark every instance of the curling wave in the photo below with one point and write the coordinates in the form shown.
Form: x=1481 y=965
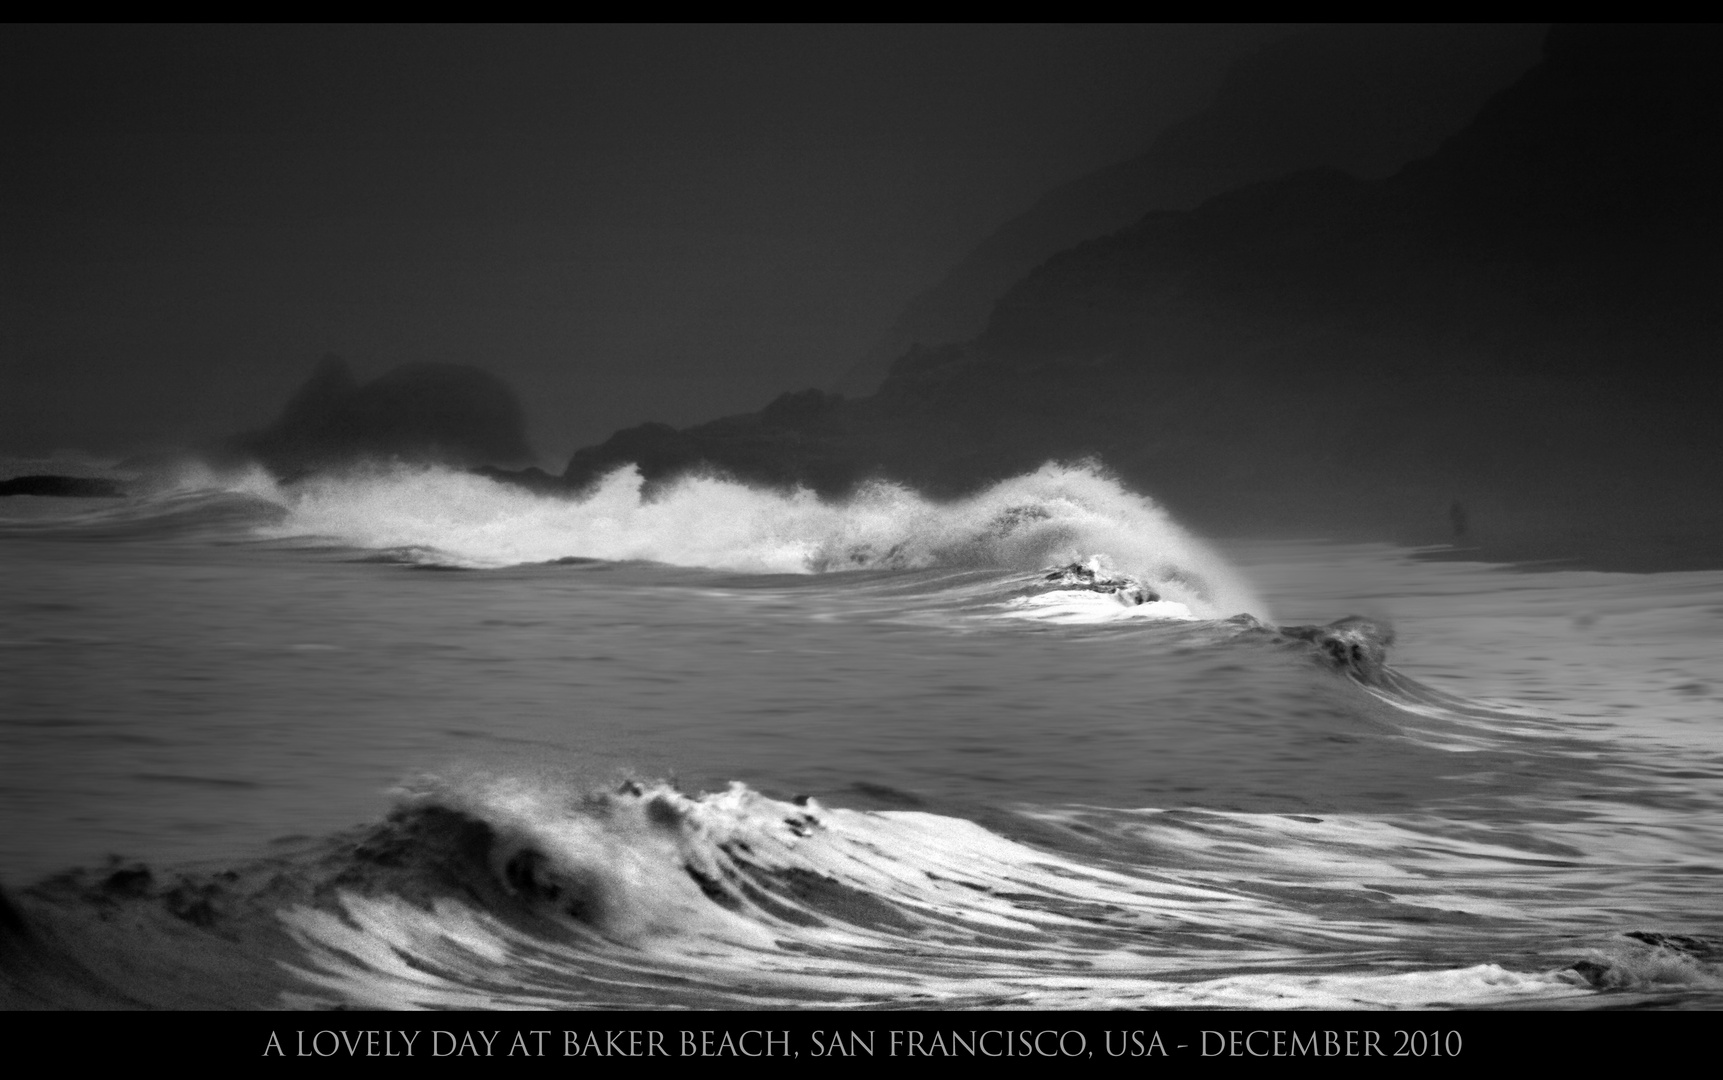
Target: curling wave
x=496 y=892
x=1056 y=515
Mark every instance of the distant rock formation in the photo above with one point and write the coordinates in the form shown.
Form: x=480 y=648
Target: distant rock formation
x=1524 y=322
x=1364 y=99
x=444 y=413
x=800 y=438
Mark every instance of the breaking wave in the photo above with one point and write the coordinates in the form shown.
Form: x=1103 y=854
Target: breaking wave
x=1058 y=514
x=438 y=516
x=501 y=892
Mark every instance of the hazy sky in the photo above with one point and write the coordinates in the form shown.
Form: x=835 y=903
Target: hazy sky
x=628 y=223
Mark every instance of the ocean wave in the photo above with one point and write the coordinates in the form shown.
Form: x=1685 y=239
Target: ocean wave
x=443 y=517
x=1055 y=515
x=504 y=892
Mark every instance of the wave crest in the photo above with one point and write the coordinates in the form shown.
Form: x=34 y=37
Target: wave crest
x=1055 y=515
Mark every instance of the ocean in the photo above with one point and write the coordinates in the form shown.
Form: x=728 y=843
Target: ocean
x=409 y=738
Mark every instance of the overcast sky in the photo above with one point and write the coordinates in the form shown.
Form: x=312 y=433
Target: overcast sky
x=628 y=223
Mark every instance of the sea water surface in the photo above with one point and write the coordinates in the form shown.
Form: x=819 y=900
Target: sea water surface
x=408 y=738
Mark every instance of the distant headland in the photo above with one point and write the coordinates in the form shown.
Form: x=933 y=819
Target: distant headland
x=1523 y=323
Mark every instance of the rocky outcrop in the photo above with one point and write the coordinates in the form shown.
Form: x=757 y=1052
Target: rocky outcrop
x=1092 y=577
x=804 y=438
x=445 y=413
x=1353 y=646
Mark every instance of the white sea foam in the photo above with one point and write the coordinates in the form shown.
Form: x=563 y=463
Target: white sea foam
x=807 y=904
x=1073 y=606
x=1057 y=514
